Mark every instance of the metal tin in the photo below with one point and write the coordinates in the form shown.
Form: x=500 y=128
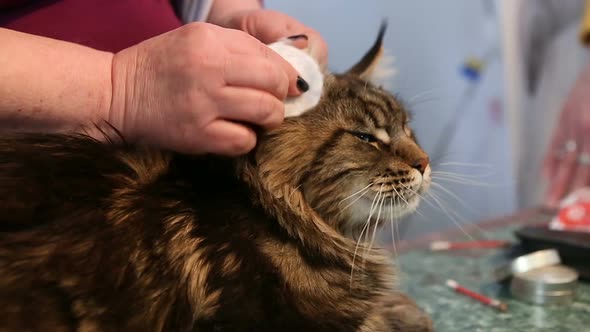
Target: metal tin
x=546 y=285
x=535 y=260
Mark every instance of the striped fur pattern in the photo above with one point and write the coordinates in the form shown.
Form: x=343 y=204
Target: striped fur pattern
x=119 y=237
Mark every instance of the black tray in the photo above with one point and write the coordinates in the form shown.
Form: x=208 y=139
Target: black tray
x=573 y=247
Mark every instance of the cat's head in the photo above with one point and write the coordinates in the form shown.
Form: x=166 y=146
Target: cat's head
x=353 y=157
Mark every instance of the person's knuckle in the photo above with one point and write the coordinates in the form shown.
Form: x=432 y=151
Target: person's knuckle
x=202 y=32
x=269 y=68
x=265 y=51
x=264 y=108
x=202 y=49
x=280 y=79
x=242 y=144
x=224 y=69
x=283 y=86
x=275 y=77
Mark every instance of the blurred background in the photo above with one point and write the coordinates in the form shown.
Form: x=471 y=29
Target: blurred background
x=484 y=80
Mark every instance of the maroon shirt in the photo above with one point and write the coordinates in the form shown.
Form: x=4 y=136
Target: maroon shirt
x=108 y=25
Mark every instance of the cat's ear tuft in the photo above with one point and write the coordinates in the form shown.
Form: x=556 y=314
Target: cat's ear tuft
x=375 y=66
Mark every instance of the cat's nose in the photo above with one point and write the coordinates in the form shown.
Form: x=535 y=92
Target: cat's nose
x=421 y=164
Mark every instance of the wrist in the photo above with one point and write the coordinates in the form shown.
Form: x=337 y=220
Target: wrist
x=105 y=91
x=88 y=107
x=123 y=72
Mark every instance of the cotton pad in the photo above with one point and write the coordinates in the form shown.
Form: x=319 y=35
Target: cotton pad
x=308 y=69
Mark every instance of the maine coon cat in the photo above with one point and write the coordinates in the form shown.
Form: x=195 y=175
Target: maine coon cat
x=120 y=237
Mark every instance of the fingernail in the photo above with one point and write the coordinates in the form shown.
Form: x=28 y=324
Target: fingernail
x=302 y=85
x=297 y=37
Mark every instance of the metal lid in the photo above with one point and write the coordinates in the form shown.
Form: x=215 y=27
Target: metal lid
x=528 y=262
x=546 y=285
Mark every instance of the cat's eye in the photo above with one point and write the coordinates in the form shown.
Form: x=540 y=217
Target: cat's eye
x=366 y=137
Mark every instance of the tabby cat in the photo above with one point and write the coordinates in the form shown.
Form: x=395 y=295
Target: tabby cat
x=121 y=237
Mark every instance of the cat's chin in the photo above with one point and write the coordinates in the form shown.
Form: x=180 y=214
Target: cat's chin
x=385 y=211
x=426 y=180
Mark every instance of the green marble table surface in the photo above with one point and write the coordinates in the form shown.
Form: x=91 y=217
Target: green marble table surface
x=423 y=275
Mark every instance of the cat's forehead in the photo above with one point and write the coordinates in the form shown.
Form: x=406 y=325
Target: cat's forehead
x=356 y=98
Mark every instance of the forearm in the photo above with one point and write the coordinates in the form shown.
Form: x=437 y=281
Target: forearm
x=50 y=85
x=221 y=10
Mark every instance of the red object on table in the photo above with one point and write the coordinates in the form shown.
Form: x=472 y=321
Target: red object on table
x=574 y=213
x=481 y=298
x=445 y=245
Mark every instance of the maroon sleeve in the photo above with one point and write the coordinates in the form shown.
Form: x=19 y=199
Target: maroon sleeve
x=11 y=3
x=109 y=25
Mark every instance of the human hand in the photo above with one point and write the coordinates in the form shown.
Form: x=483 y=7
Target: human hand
x=269 y=26
x=199 y=89
x=567 y=161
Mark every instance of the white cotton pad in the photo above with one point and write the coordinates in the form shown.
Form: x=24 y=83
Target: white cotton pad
x=308 y=69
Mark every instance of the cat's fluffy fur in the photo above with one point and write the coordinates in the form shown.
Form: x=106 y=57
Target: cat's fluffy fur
x=117 y=237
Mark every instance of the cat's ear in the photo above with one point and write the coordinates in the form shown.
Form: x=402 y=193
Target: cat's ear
x=375 y=66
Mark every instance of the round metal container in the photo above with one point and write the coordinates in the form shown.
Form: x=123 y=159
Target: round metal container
x=546 y=285
x=535 y=260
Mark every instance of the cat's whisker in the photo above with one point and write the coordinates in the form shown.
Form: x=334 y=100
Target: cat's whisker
x=400 y=195
x=441 y=206
x=460 y=164
x=376 y=223
x=397 y=221
x=360 y=237
x=463 y=181
x=424 y=100
x=372 y=210
x=405 y=201
x=420 y=94
x=453 y=195
x=398 y=217
x=356 y=193
x=461 y=176
x=352 y=203
x=449 y=215
x=445 y=159
x=465 y=221
x=358 y=242
x=466 y=179
x=362 y=193
x=420 y=213
x=436 y=185
x=435 y=195
x=392 y=221
x=367 y=248
x=394 y=228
